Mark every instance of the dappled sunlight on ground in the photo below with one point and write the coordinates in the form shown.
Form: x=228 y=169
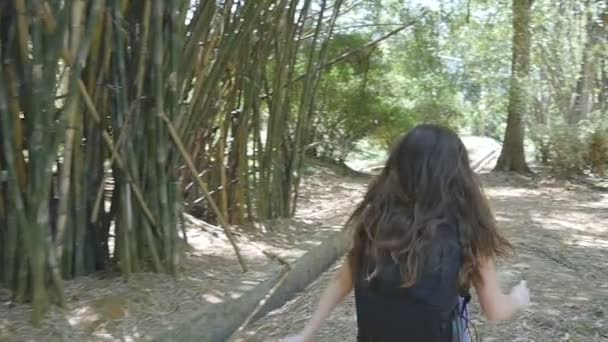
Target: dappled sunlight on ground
x=560 y=235
x=507 y=192
x=560 y=232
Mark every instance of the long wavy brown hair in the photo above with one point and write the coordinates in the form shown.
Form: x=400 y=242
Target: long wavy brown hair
x=426 y=181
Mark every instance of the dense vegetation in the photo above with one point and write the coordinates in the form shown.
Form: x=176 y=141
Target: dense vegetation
x=117 y=116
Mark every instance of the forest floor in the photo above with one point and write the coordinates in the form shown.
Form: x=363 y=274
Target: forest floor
x=103 y=307
x=560 y=233
x=559 y=229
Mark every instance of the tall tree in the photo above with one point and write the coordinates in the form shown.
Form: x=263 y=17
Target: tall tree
x=512 y=157
x=588 y=81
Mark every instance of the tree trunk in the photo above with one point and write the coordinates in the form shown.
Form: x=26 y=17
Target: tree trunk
x=584 y=99
x=603 y=95
x=512 y=157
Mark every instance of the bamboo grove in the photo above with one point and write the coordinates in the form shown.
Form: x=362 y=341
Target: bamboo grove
x=114 y=113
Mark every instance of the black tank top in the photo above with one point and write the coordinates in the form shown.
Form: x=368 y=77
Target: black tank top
x=388 y=312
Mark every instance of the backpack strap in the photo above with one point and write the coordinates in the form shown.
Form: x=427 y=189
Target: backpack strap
x=466 y=298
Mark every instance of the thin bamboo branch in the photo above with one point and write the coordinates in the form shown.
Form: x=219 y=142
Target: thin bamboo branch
x=203 y=188
x=361 y=48
x=280 y=281
x=349 y=53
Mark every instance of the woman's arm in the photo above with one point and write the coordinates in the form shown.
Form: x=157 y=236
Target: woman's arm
x=339 y=287
x=496 y=305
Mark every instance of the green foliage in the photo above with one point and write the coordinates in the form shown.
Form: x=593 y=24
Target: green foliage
x=482 y=49
x=425 y=112
x=382 y=91
x=453 y=66
x=598 y=152
x=540 y=135
x=569 y=152
x=565 y=156
x=595 y=140
x=350 y=106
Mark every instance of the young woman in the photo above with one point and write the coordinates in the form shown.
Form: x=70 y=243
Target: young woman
x=423 y=234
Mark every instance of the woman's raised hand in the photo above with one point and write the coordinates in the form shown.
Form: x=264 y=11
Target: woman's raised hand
x=297 y=338
x=521 y=294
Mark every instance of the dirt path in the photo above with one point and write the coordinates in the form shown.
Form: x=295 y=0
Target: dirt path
x=560 y=232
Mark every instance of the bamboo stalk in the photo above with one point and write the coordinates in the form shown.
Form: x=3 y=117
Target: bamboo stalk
x=38 y=188
x=307 y=110
x=15 y=108
x=72 y=116
x=121 y=164
x=303 y=110
x=167 y=227
x=225 y=51
x=173 y=79
x=75 y=58
x=22 y=29
x=2 y=204
x=143 y=53
x=221 y=162
x=12 y=237
x=140 y=65
x=79 y=202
